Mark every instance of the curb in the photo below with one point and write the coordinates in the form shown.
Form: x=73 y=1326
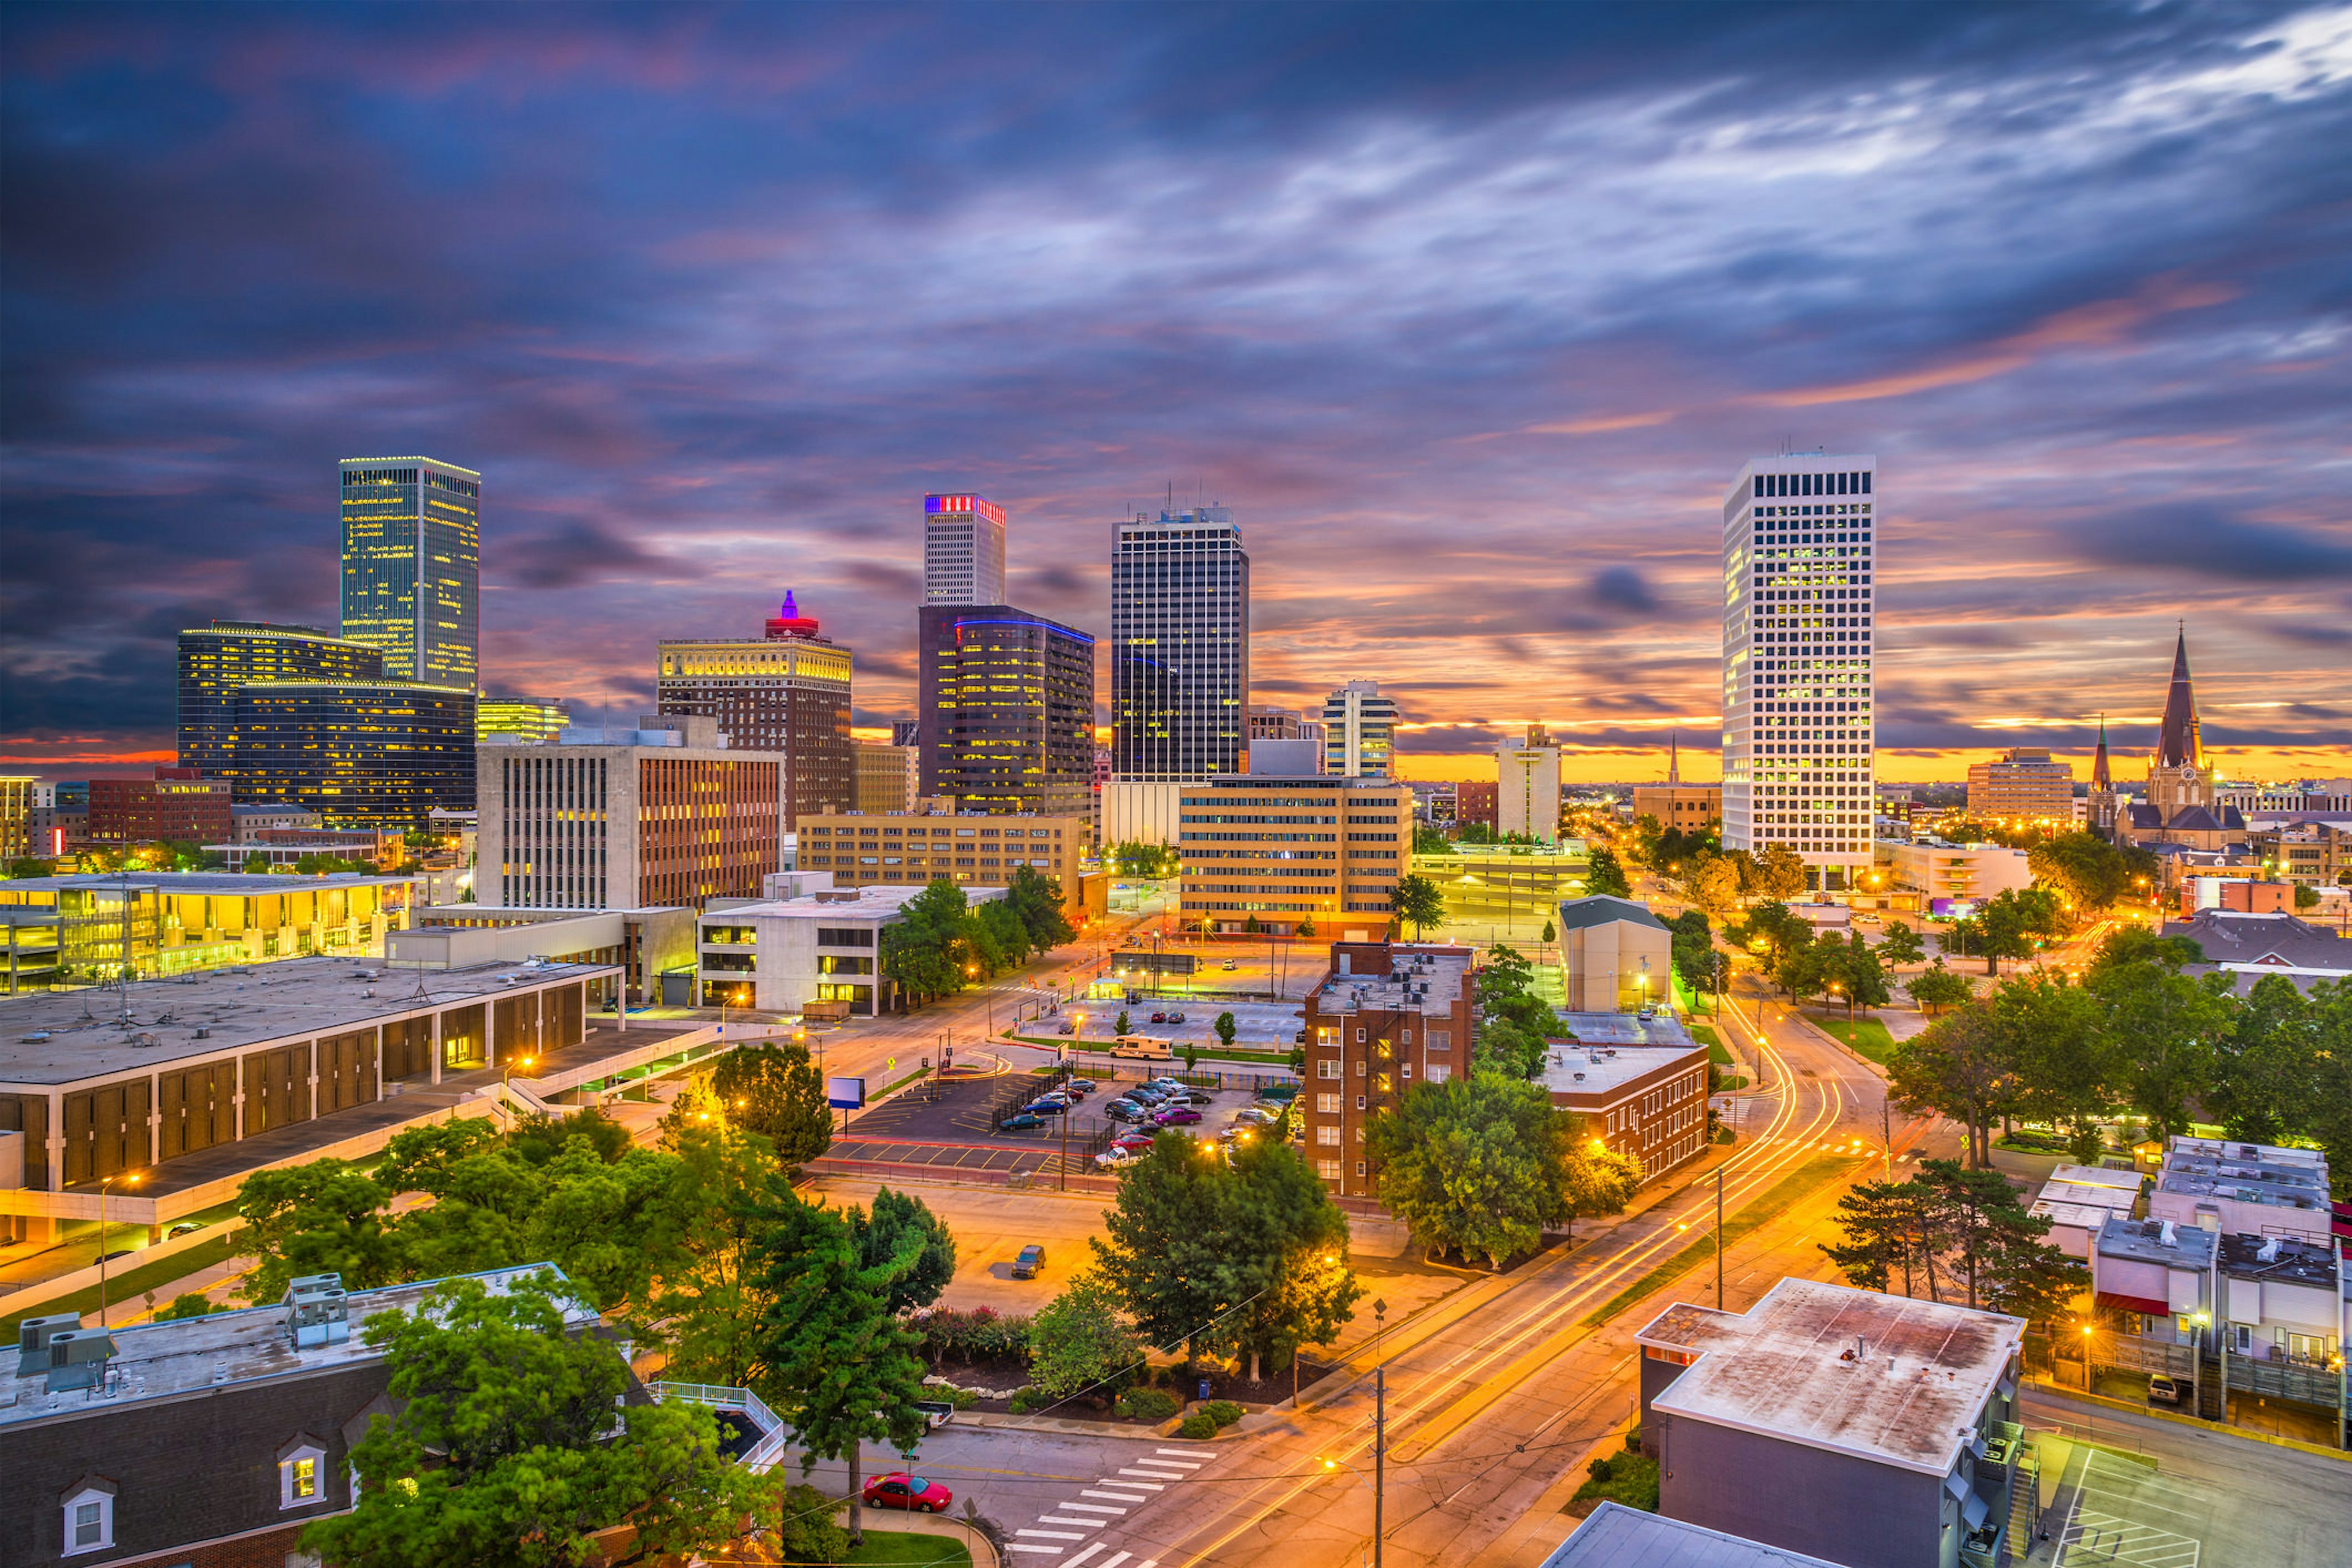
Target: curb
x=2220 y=1429
x=873 y=1520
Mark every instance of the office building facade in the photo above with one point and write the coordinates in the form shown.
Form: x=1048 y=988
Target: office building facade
x=215 y=660
x=16 y=792
x=964 y=551
x=1798 y=548
x=1287 y=851
x=412 y=567
x=1526 y=787
x=525 y=718
x=785 y=693
x=888 y=778
x=1008 y=708
x=659 y=815
x=2024 y=784
x=1180 y=646
x=933 y=842
x=361 y=753
x=177 y=804
x=1359 y=733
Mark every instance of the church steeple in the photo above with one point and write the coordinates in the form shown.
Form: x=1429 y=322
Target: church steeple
x=2100 y=777
x=1675 y=757
x=2178 y=742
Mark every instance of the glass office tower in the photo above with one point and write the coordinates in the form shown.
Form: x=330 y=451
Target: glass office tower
x=1180 y=646
x=216 y=659
x=413 y=566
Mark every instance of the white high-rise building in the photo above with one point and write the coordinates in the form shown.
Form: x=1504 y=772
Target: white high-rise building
x=1360 y=731
x=1526 y=787
x=964 y=551
x=1798 y=552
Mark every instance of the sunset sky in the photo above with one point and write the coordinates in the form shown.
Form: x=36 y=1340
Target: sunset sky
x=1471 y=314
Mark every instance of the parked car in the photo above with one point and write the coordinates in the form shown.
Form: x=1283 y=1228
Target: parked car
x=1068 y=1028
x=1138 y=1138
x=1031 y=1263
x=1195 y=1097
x=1256 y=1116
x=1647 y=1013
x=1160 y=1017
x=1119 y=1154
x=1020 y=1121
x=2163 y=1390
x=899 y=1489
x=1175 y=1017
x=1125 y=1111
x=936 y=1413
x=182 y=1229
x=1229 y=964
x=1045 y=1107
x=1175 y=1116
x=1085 y=1084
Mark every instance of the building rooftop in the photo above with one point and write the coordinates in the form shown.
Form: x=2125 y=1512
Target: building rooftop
x=2278 y=1257
x=1788 y=1368
x=2275 y=943
x=1575 y=914
x=1616 y=1536
x=833 y=903
x=2156 y=1241
x=1623 y=1030
x=1418 y=980
x=2248 y=1173
x=157 y=1361
x=211 y=883
x=64 y=1037
x=1572 y=1068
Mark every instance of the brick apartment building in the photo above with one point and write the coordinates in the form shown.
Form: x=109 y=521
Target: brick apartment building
x=1385 y=1016
x=1639 y=1084
x=176 y=803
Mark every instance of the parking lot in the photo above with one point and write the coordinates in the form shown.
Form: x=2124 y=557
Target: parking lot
x=1258 y=1025
x=2127 y=1511
x=955 y=1125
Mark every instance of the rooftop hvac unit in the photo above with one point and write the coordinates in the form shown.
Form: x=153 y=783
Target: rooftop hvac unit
x=317 y=1310
x=33 y=1336
x=78 y=1358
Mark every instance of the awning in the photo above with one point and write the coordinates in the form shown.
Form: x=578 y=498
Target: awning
x=1973 y=1509
x=2123 y=1304
x=1957 y=1487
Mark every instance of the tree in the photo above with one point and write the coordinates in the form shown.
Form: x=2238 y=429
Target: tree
x=1606 y=876
x=1428 y=840
x=775 y=1092
x=1226 y=1028
x=1417 y=899
x=1551 y=933
x=1861 y=978
x=2136 y=944
x=1887 y=1230
x=2328 y=1116
x=2306 y=896
x=921 y=951
x=2080 y=866
x=1161 y=1252
x=2162 y=1027
x=1898 y=945
x=1306 y=929
x=1515 y=1022
x=1692 y=944
x=1710 y=881
x=1120 y=1025
x=1136 y=859
x=504 y=1450
x=1483 y=1165
x=1995 y=1244
x=325 y=1216
x=838 y=1365
x=188 y=1304
x=1958 y=1067
x=1778 y=874
x=2013 y=924
x=1036 y=900
x=1079 y=1343
x=2269 y=1066
x=1284 y=1257
x=707 y=1310
x=257 y=863
x=1936 y=987
x=904 y=1237
x=1769 y=934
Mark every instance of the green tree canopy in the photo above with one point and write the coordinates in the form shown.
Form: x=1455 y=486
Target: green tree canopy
x=1777 y=875
x=1079 y=1343
x=1285 y=1246
x=1162 y=1249
x=923 y=951
x=904 y=1239
x=1604 y=875
x=1418 y=899
x=1936 y=988
x=326 y=1216
x=1961 y=1066
x=775 y=1092
x=1899 y=944
x=1036 y=900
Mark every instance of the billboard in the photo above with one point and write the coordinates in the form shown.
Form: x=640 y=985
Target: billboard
x=845 y=1093
x=1951 y=909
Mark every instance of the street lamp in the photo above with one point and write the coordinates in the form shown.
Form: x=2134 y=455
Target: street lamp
x=506 y=1075
x=129 y=1179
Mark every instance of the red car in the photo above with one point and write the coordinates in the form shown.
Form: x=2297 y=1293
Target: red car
x=1175 y=1116
x=899 y=1489
x=1139 y=1142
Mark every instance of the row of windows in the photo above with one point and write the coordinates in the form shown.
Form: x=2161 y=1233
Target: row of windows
x=1834 y=484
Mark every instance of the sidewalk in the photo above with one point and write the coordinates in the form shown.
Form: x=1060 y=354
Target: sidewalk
x=874 y=1519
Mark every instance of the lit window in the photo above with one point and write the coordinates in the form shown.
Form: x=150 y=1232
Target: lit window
x=300 y=1464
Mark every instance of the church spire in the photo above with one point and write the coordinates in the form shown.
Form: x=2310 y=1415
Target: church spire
x=2100 y=777
x=2178 y=742
x=1675 y=757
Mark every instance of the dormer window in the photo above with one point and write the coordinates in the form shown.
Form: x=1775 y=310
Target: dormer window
x=90 y=1517
x=303 y=1473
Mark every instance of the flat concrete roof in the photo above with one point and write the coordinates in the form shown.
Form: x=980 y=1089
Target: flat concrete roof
x=1574 y=1070
x=881 y=898
x=2143 y=1241
x=296 y=998
x=1786 y=1368
x=155 y=1360
x=1401 y=990
x=2246 y=1173
x=251 y=885
x=1616 y=1536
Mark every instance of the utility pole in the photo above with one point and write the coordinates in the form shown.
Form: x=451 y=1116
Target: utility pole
x=1886 y=1132
x=1718 y=1240
x=1380 y=1434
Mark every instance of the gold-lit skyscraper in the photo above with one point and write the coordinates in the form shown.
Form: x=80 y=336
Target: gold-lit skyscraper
x=412 y=566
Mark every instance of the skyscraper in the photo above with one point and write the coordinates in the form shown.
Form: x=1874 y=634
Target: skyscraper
x=1008 y=708
x=964 y=551
x=413 y=566
x=786 y=691
x=1797 y=769
x=1360 y=731
x=1180 y=646
x=216 y=659
x=1526 y=787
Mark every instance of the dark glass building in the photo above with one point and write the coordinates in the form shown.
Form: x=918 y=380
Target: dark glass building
x=216 y=659
x=381 y=753
x=413 y=566
x=1007 y=703
x=1180 y=646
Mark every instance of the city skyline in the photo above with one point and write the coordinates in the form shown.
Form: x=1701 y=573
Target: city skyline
x=2123 y=423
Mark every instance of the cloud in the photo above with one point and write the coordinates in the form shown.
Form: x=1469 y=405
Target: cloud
x=2207 y=541
x=571 y=555
x=1622 y=588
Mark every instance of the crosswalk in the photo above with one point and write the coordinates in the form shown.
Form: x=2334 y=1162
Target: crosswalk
x=1067 y=1531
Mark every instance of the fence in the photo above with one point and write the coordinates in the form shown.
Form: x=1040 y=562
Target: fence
x=774 y=1435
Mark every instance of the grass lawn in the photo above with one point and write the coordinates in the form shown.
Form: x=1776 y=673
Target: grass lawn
x=1627 y=1477
x=1868 y=1035
x=1715 y=1051
x=131 y=1284
x=1774 y=1202
x=899 y=1547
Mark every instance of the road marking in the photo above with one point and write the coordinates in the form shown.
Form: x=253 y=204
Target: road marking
x=1057 y=1519
x=1114 y=1562
x=1189 y=1453
x=1173 y=1464
x=1146 y=1468
x=1027 y=1546
x=1101 y=1508
x=1050 y=1534
x=1154 y=1485
x=1081 y=1554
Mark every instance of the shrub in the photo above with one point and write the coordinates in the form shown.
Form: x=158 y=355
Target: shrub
x=1223 y=1412
x=191 y=1305
x=1148 y=1403
x=1603 y=1468
x=808 y=1533
x=1196 y=1426
x=962 y=1398
x=981 y=1334
x=1024 y=1400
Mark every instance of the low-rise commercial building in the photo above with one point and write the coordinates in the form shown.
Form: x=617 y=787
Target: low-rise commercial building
x=2235 y=895
x=1875 y=1431
x=1615 y=955
x=1639 y=1084
x=1385 y=1016
x=2251 y=1189
x=177 y=804
x=1615 y=1536
x=2079 y=1200
x=1502 y=885
x=81 y=930
x=819 y=951
x=2249 y=946
x=1936 y=878
x=248 y=821
x=659 y=815
x=1285 y=851
x=2025 y=784
x=935 y=842
x=2308 y=854
x=209 y=1442
x=644 y=945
